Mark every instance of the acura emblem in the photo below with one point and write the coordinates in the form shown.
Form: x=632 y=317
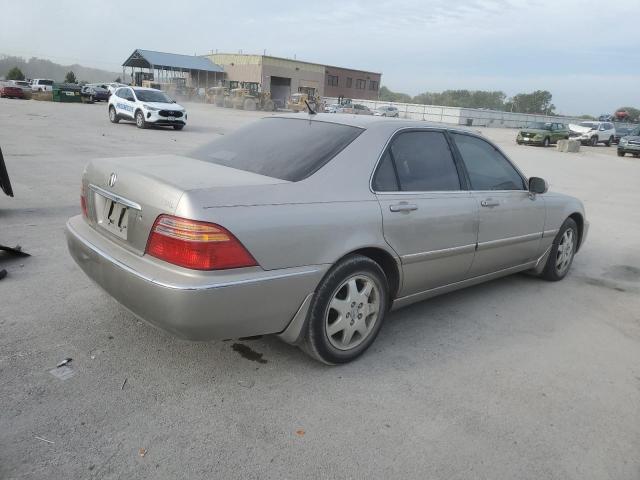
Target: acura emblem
x=113 y=178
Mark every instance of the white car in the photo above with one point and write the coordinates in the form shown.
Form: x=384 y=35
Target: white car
x=386 y=111
x=112 y=87
x=146 y=106
x=592 y=133
x=41 y=85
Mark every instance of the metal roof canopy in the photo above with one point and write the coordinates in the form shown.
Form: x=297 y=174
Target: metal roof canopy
x=170 y=61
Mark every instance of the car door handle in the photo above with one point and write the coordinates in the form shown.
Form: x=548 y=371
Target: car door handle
x=489 y=202
x=403 y=207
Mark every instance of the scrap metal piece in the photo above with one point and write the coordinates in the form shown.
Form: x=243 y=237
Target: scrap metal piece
x=5 y=183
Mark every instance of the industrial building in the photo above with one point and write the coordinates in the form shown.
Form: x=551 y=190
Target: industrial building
x=172 y=69
x=282 y=77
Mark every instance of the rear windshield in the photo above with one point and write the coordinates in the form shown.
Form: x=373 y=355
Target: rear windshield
x=285 y=148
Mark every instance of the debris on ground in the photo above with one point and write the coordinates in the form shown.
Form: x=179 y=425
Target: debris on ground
x=43 y=439
x=248 y=353
x=123 y=384
x=142 y=452
x=16 y=251
x=246 y=383
x=64 y=362
x=300 y=433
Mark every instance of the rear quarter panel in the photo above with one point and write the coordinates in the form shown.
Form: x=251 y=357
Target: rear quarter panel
x=298 y=234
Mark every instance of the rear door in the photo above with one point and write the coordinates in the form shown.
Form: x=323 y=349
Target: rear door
x=125 y=102
x=429 y=218
x=511 y=219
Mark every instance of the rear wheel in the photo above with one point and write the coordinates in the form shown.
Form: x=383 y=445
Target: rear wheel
x=546 y=142
x=140 y=122
x=562 y=252
x=347 y=311
x=113 y=116
x=609 y=142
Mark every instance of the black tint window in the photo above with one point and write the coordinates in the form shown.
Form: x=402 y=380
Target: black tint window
x=284 y=148
x=385 y=179
x=488 y=169
x=424 y=162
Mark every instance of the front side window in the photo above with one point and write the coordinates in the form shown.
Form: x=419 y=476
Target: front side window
x=488 y=169
x=284 y=148
x=417 y=162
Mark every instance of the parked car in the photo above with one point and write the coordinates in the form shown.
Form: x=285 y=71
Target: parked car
x=630 y=143
x=10 y=91
x=542 y=133
x=333 y=108
x=622 y=131
x=592 y=133
x=41 y=85
x=386 y=111
x=112 y=87
x=243 y=238
x=146 y=107
x=355 y=109
x=94 y=94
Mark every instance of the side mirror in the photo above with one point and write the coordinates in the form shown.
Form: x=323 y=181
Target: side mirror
x=538 y=185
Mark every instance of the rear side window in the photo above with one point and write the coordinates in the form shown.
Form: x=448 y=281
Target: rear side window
x=285 y=148
x=423 y=163
x=488 y=169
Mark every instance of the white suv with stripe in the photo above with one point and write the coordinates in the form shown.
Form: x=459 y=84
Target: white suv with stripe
x=146 y=106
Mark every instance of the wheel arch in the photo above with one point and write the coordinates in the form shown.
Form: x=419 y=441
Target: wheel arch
x=389 y=264
x=579 y=219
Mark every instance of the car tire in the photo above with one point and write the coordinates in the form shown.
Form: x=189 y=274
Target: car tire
x=620 y=154
x=91 y=100
x=140 y=121
x=594 y=141
x=178 y=127
x=546 y=142
x=113 y=116
x=341 y=300
x=609 y=142
x=563 y=249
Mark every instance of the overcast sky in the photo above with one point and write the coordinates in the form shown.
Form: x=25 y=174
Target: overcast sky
x=587 y=53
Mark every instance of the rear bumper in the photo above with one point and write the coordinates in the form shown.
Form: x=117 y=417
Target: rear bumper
x=189 y=304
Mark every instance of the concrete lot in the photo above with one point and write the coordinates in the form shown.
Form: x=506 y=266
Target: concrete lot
x=517 y=378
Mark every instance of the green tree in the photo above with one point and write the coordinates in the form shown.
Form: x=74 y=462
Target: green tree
x=493 y=100
x=387 y=95
x=634 y=113
x=15 y=74
x=538 y=102
x=70 y=77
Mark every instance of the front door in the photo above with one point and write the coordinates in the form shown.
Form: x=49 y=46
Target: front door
x=428 y=219
x=511 y=219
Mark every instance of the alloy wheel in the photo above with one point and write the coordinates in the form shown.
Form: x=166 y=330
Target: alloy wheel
x=353 y=312
x=565 y=251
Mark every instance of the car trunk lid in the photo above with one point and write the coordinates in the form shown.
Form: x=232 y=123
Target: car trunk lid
x=125 y=195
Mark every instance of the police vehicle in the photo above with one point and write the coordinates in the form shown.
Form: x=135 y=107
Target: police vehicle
x=146 y=106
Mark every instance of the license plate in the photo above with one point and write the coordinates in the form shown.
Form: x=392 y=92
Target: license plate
x=115 y=218
x=171 y=119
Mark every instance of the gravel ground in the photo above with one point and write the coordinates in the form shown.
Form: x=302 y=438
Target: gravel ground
x=516 y=378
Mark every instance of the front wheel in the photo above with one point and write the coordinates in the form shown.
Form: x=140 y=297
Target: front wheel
x=594 y=141
x=140 y=122
x=562 y=252
x=347 y=311
x=546 y=142
x=620 y=153
x=113 y=116
x=178 y=127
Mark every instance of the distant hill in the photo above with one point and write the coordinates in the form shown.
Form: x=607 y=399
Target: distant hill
x=41 y=68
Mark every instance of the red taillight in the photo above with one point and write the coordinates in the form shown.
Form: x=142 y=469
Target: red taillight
x=196 y=245
x=83 y=202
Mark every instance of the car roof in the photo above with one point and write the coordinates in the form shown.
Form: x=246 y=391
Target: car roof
x=369 y=121
x=146 y=89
